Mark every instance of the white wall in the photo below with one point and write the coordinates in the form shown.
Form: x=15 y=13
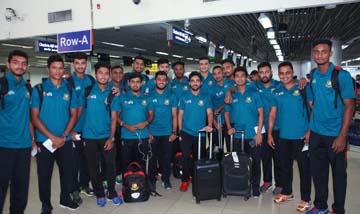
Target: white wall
x=125 y=12
x=35 y=17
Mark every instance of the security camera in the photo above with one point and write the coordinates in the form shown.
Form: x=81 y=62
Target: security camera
x=136 y=2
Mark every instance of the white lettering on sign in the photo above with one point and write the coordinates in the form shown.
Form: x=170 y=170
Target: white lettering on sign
x=64 y=42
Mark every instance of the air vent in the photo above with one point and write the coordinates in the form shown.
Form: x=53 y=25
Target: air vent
x=60 y=16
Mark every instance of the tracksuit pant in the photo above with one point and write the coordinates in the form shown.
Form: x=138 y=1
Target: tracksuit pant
x=45 y=164
x=291 y=150
x=80 y=171
x=162 y=149
x=94 y=150
x=268 y=157
x=15 y=169
x=321 y=155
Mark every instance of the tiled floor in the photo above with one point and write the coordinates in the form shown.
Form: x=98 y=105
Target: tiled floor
x=174 y=201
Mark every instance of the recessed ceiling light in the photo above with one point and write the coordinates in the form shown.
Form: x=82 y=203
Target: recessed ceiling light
x=265 y=21
x=201 y=39
x=273 y=41
x=161 y=53
x=113 y=44
x=189 y=58
x=139 y=49
x=276 y=47
x=115 y=56
x=18 y=46
x=270 y=34
x=177 y=56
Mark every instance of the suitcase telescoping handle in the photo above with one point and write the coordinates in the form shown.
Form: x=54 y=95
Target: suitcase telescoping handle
x=220 y=134
x=199 y=144
x=242 y=140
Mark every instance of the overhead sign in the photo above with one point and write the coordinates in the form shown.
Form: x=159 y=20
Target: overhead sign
x=178 y=35
x=211 y=51
x=74 y=41
x=46 y=46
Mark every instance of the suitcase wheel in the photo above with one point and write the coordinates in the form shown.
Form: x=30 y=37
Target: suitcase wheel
x=197 y=200
x=219 y=199
x=246 y=198
x=224 y=195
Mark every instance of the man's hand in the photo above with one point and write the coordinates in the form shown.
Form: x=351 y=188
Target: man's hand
x=306 y=137
x=228 y=97
x=172 y=137
x=141 y=125
x=270 y=141
x=258 y=139
x=115 y=91
x=130 y=128
x=231 y=131
x=208 y=129
x=339 y=144
x=302 y=83
x=58 y=142
x=108 y=144
x=151 y=138
x=217 y=126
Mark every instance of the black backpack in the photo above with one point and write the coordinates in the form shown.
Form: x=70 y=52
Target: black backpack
x=4 y=89
x=71 y=82
x=135 y=185
x=109 y=98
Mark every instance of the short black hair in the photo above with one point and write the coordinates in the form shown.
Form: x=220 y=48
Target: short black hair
x=101 y=64
x=79 y=55
x=227 y=61
x=160 y=73
x=264 y=64
x=54 y=58
x=253 y=72
x=204 y=58
x=286 y=63
x=322 y=41
x=139 y=57
x=216 y=67
x=178 y=63
x=134 y=75
x=162 y=61
x=241 y=69
x=195 y=73
x=116 y=67
x=17 y=53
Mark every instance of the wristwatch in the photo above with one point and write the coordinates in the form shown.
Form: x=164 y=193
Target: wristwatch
x=122 y=123
x=112 y=139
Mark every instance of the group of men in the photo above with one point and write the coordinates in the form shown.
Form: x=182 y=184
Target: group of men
x=117 y=118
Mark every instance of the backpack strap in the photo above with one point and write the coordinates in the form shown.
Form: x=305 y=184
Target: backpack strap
x=92 y=79
x=40 y=90
x=304 y=97
x=87 y=93
x=335 y=84
x=4 y=88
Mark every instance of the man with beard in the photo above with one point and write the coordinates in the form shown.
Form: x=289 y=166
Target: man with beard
x=228 y=66
x=138 y=67
x=194 y=109
x=99 y=133
x=136 y=113
x=206 y=78
x=15 y=136
x=164 y=126
x=163 y=65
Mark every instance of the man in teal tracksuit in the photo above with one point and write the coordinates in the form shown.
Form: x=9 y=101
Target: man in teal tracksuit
x=208 y=80
x=331 y=117
x=136 y=113
x=101 y=111
x=15 y=137
x=164 y=126
x=195 y=113
x=53 y=113
x=289 y=107
x=245 y=113
x=137 y=66
x=180 y=84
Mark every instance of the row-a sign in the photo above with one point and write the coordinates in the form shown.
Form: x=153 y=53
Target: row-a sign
x=178 y=35
x=74 y=41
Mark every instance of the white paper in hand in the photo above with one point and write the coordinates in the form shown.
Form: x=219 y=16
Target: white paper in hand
x=262 y=130
x=305 y=148
x=34 y=152
x=48 y=144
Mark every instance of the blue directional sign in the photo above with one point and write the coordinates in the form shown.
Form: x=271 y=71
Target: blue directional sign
x=178 y=35
x=46 y=46
x=74 y=41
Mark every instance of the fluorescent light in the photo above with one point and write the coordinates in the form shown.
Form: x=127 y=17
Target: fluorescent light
x=276 y=47
x=279 y=54
x=254 y=61
x=273 y=41
x=201 y=39
x=281 y=58
x=189 y=58
x=196 y=59
x=114 y=56
x=177 y=56
x=265 y=21
x=139 y=49
x=41 y=57
x=344 y=46
x=113 y=44
x=18 y=46
x=161 y=53
x=245 y=57
x=270 y=34
x=221 y=46
x=250 y=59
x=238 y=55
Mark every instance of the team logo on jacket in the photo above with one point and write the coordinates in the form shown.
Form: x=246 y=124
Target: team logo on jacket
x=328 y=84
x=167 y=102
x=11 y=92
x=296 y=93
x=66 y=97
x=143 y=102
x=248 y=100
x=185 y=88
x=210 y=82
x=273 y=89
x=201 y=103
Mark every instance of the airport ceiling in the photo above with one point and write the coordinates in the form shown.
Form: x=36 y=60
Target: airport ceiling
x=241 y=33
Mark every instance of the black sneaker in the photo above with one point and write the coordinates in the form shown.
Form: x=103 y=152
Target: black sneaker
x=256 y=193
x=71 y=205
x=75 y=196
x=167 y=185
x=86 y=191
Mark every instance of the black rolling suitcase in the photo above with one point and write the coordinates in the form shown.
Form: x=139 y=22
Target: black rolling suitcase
x=206 y=183
x=236 y=171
